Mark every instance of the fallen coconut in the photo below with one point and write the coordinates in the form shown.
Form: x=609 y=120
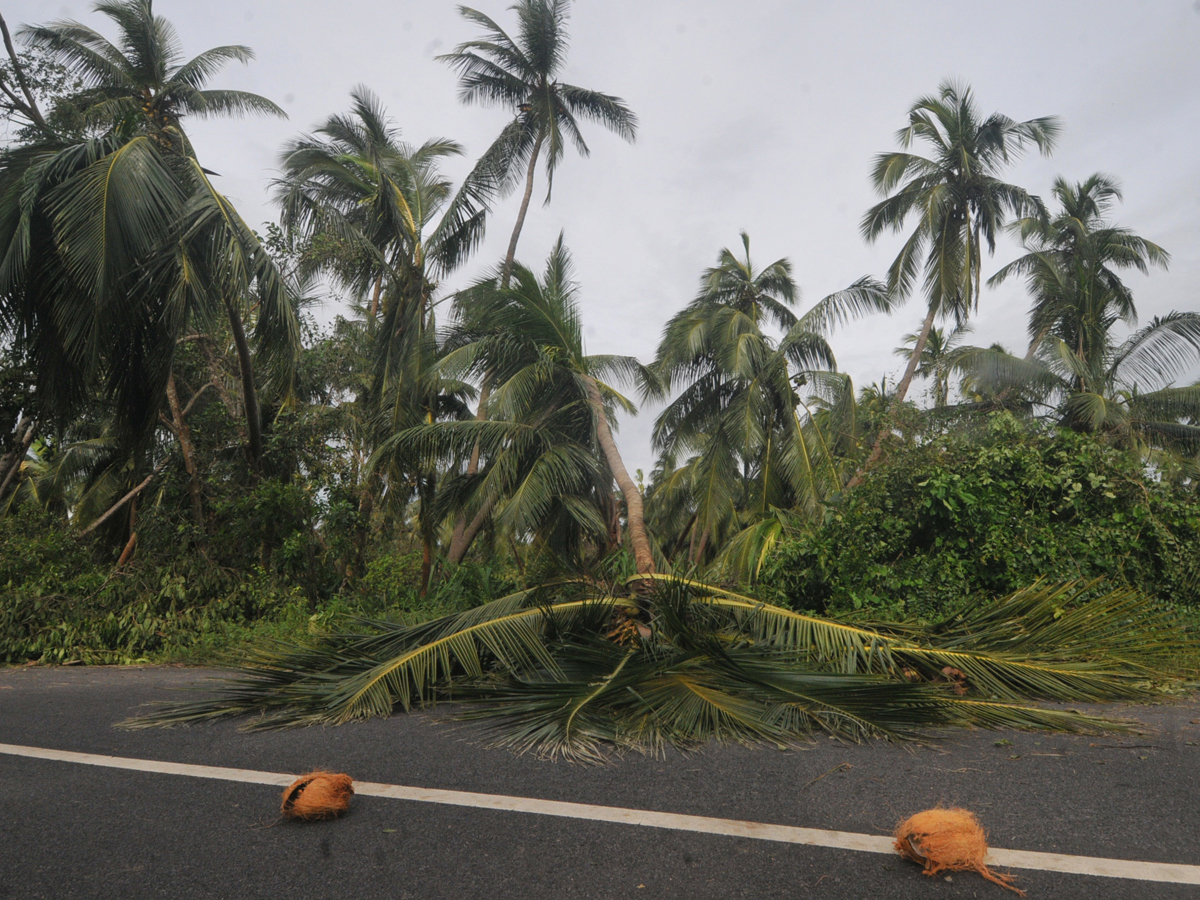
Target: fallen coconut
x=317 y=795
x=948 y=840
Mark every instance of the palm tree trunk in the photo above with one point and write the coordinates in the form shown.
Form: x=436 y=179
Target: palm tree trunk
x=425 y=491
x=249 y=393
x=30 y=106
x=376 y=295
x=512 y=243
x=26 y=429
x=459 y=541
x=362 y=530
x=897 y=399
x=701 y=547
x=460 y=544
x=129 y=547
x=512 y=543
x=634 y=508
x=184 y=435
x=116 y=506
x=426 y=562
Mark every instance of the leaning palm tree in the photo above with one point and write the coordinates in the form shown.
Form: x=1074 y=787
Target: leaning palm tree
x=522 y=74
x=114 y=244
x=736 y=414
x=959 y=202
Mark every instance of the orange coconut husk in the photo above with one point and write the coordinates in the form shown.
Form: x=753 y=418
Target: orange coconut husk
x=948 y=840
x=317 y=795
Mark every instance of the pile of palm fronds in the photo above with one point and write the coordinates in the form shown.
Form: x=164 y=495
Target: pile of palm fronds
x=571 y=668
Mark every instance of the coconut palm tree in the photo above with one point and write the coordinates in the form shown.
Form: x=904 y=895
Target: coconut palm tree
x=959 y=202
x=144 y=77
x=521 y=74
x=114 y=244
x=538 y=467
x=406 y=228
x=736 y=412
x=937 y=359
x=1077 y=368
x=357 y=182
x=1072 y=264
x=1122 y=389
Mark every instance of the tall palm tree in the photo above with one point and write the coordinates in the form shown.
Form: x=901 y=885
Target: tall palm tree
x=959 y=201
x=736 y=413
x=521 y=74
x=354 y=180
x=536 y=460
x=144 y=77
x=113 y=244
x=1077 y=367
x=1072 y=264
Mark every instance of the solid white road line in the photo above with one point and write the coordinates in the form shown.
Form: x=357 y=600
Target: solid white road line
x=814 y=837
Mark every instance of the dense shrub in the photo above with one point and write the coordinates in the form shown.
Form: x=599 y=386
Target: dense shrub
x=260 y=576
x=981 y=513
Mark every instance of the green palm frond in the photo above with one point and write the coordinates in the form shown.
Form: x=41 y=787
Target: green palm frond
x=549 y=674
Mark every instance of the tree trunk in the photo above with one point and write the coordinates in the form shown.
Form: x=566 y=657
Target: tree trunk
x=426 y=562
x=249 y=394
x=30 y=106
x=184 y=434
x=901 y=392
x=116 y=506
x=132 y=542
x=634 y=509
x=512 y=243
x=362 y=530
x=459 y=542
x=375 y=296
x=127 y=552
x=26 y=429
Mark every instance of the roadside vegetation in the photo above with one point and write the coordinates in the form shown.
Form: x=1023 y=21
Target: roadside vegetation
x=426 y=499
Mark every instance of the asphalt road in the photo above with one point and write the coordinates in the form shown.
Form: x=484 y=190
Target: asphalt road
x=72 y=831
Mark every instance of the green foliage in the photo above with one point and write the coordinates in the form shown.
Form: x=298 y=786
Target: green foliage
x=60 y=604
x=561 y=669
x=979 y=513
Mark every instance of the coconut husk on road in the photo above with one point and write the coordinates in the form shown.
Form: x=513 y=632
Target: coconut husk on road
x=317 y=795
x=948 y=840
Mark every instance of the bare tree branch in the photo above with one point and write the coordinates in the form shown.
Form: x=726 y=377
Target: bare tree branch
x=30 y=108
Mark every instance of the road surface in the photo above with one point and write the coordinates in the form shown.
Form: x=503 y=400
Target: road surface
x=69 y=830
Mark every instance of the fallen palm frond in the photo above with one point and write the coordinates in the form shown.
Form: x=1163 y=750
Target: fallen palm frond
x=552 y=675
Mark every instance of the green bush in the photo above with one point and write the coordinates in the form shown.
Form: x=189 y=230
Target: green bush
x=977 y=514
x=259 y=577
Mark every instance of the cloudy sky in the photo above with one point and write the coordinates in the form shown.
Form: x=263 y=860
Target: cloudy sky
x=755 y=115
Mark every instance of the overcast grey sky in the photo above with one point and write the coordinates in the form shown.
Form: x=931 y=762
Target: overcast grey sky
x=755 y=115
